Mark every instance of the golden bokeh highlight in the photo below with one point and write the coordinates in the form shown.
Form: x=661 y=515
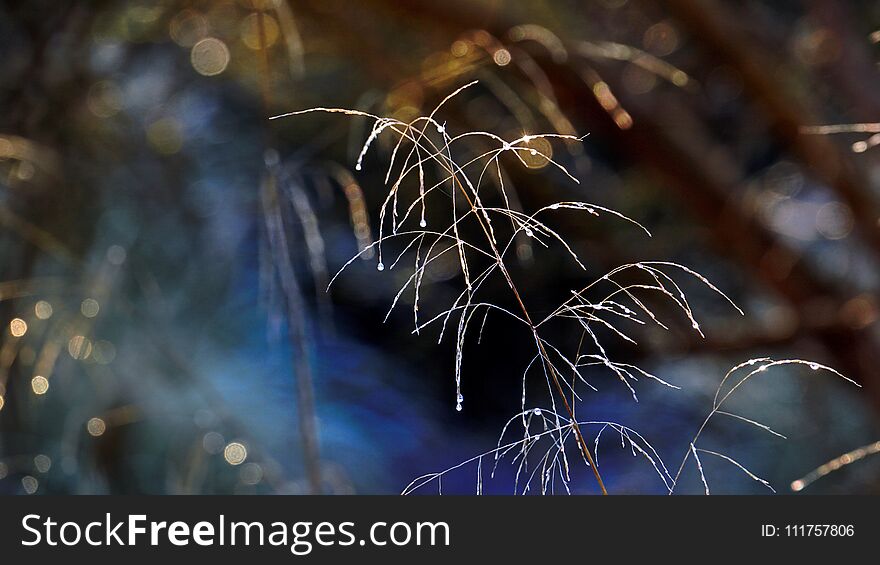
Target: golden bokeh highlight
x=89 y=307
x=210 y=56
x=250 y=31
x=460 y=48
x=96 y=427
x=235 y=453
x=501 y=57
x=187 y=28
x=43 y=310
x=2 y=402
x=79 y=347
x=538 y=154
x=40 y=385
x=18 y=327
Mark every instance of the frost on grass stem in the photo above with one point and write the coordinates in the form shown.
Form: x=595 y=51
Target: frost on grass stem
x=732 y=382
x=432 y=168
x=545 y=442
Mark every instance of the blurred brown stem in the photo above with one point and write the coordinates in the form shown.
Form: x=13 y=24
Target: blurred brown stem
x=295 y=306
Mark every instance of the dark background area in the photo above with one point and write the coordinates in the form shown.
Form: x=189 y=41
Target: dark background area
x=135 y=152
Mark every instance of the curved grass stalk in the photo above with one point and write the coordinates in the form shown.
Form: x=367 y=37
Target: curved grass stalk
x=431 y=145
x=521 y=447
x=722 y=396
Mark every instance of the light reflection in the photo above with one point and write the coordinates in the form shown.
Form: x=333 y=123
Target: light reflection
x=40 y=385
x=42 y=463
x=501 y=57
x=862 y=146
x=30 y=484
x=835 y=464
x=43 y=310
x=235 y=453
x=209 y=56
x=96 y=427
x=18 y=327
x=79 y=347
x=89 y=307
x=610 y=104
x=539 y=154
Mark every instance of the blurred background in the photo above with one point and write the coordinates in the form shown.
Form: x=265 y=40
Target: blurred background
x=164 y=247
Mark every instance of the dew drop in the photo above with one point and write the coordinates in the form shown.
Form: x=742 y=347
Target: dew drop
x=458 y=407
x=554 y=206
x=695 y=325
x=536 y=411
x=441 y=129
x=529 y=232
x=459 y=398
x=423 y=223
x=357 y=167
x=506 y=146
x=380 y=266
x=533 y=151
x=814 y=366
